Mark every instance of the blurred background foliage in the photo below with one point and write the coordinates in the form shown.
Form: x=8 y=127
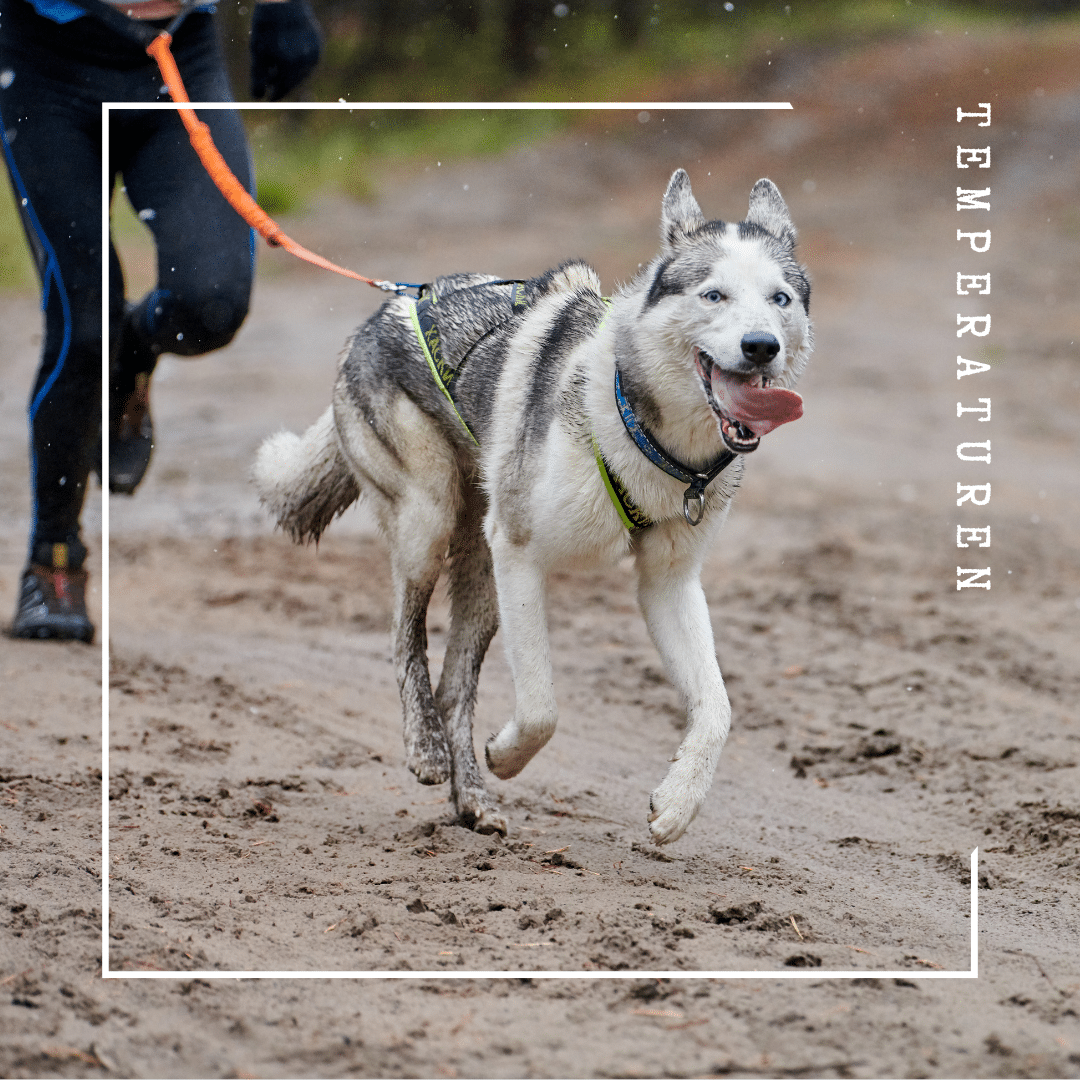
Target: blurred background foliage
x=529 y=51
x=489 y=50
x=545 y=50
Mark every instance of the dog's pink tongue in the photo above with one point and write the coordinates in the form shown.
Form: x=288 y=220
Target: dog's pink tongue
x=760 y=408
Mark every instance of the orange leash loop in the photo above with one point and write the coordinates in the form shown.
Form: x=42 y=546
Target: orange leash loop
x=215 y=165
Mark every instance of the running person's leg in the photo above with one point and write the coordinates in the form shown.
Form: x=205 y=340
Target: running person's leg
x=51 y=139
x=205 y=252
x=52 y=82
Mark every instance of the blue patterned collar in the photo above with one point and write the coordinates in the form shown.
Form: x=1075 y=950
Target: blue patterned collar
x=698 y=481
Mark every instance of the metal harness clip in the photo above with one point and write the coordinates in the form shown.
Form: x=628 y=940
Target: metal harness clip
x=693 y=496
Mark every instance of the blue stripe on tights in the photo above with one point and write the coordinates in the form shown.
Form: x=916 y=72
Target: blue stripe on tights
x=50 y=275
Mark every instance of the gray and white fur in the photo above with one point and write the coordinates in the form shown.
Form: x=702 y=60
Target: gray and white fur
x=498 y=512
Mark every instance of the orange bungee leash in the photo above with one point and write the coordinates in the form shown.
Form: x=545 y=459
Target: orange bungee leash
x=235 y=192
x=157 y=45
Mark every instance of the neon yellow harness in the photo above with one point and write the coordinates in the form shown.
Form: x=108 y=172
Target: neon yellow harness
x=422 y=316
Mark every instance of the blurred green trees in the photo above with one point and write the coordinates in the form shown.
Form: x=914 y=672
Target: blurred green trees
x=484 y=50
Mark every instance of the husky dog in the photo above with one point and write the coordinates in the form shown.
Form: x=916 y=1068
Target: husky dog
x=499 y=428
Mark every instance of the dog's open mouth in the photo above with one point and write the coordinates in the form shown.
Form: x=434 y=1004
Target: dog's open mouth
x=746 y=405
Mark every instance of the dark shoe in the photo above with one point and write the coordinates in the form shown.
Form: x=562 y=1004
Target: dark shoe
x=133 y=441
x=52 y=604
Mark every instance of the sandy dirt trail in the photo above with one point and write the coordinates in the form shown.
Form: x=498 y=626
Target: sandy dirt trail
x=885 y=725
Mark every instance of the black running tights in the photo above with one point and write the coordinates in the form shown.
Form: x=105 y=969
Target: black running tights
x=53 y=79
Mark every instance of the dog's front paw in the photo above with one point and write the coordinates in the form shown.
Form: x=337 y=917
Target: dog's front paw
x=673 y=808
x=507 y=755
x=676 y=801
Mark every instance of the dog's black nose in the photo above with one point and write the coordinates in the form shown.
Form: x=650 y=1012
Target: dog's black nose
x=759 y=347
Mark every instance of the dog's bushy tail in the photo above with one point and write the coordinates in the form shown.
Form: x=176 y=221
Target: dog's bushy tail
x=303 y=480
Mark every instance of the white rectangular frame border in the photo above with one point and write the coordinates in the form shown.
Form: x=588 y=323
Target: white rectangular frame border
x=817 y=974
x=106 y=972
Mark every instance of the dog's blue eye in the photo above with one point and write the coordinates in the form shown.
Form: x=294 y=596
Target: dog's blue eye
x=782 y=299
x=714 y=296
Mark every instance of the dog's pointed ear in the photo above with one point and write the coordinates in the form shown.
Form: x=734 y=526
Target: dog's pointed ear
x=768 y=209
x=681 y=214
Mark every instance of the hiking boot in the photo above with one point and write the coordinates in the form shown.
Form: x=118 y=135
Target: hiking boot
x=52 y=604
x=132 y=442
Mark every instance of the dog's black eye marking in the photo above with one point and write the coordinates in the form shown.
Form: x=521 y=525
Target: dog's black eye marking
x=714 y=296
x=781 y=299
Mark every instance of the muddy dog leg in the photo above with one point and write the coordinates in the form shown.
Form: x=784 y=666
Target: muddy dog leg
x=673 y=603
x=411 y=479
x=418 y=538
x=474 y=614
x=523 y=616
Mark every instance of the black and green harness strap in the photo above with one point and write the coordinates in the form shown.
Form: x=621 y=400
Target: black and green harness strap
x=445 y=371
x=422 y=312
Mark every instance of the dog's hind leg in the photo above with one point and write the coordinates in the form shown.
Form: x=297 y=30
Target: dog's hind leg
x=417 y=550
x=673 y=603
x=474 y=619
x=411 y=479
x=523 y=615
